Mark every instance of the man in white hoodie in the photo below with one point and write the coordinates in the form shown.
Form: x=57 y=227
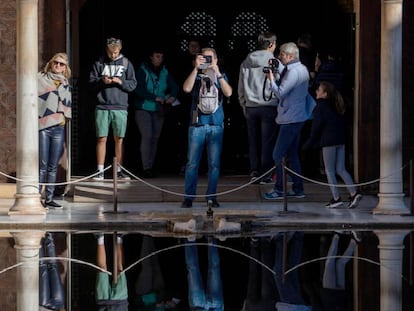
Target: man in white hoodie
x=259 y=107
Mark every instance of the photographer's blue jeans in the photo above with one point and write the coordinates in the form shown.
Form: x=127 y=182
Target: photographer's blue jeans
x=289 y=286
x=199 y=298
x=51 y=141
x=287 y=146
x=210 y=136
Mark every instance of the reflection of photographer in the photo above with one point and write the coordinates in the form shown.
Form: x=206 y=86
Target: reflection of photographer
x=273 y=66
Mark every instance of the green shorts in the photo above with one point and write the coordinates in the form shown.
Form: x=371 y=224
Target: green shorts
x=105 y=290
x=104 y=119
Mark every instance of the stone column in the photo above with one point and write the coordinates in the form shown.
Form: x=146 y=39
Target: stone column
x=391 y=255
x=27 y=283
x=27 y=141
x=390 y=190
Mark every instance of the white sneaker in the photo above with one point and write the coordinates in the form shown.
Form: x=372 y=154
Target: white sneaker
x=228 y=226
x=187 y=226
x=192 y=238
x=99 y=176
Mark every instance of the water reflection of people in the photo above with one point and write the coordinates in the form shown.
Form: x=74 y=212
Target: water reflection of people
x=261 y=288
x=333 y=293
x=111 y=295
x=209 y=296
x=150 y=286
x=51 y=289
x=288 y=285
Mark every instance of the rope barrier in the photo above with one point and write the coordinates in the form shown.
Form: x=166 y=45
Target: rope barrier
x=238 y=188
x=341 y=185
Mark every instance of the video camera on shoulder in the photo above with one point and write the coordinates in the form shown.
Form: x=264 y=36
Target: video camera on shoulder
x=273 y=66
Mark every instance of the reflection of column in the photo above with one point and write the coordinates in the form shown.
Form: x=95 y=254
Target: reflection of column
x=27 y=252
x=390 y=255
x=390 y=192
x=27 y=146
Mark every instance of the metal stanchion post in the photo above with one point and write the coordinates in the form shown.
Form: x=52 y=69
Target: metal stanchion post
x=115 y=256
x=411 y=187
x=285 y=249
x=209 y=208
x=411 y=258
x=412 y=211
x=285 y=190
x=115 y=187
x=115 y=179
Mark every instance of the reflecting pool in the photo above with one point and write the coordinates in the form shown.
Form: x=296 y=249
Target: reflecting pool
x=278 y=270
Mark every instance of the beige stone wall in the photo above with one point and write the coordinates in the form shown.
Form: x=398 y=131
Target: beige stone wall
x=8 y=277
x=7 y=139
x=8 y=78
x=7 y=88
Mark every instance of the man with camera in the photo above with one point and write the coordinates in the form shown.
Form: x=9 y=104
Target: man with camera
x=206 y=128
x=291 y=90
x=259 y=106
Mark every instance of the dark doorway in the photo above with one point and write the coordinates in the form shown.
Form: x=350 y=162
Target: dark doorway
x=231 y=31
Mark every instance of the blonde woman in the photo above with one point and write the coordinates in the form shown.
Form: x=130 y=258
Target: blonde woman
x=54 y=107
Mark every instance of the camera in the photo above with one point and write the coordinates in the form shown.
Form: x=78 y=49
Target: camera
x=273 y=66
x=208 y=58
x=205 y=65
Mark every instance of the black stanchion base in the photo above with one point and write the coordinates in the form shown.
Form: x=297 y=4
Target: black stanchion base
x=115 y=212
x=287 y=212
x=210 y=212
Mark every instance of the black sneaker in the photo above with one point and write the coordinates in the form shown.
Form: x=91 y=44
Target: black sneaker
x=213 y=203
x=334 y=203
x=123 y=176
x=354 y=200
x=148 y=173
x=53 y=204
x=187 y=203
x=44 y=205
x=254 y=177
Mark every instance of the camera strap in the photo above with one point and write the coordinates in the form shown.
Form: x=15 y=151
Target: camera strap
x=264 y=91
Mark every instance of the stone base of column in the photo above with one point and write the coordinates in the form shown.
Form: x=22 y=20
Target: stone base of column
x=391 y=204
x=27 y=204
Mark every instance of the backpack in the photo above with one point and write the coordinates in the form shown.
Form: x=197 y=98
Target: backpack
x=208 y=97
